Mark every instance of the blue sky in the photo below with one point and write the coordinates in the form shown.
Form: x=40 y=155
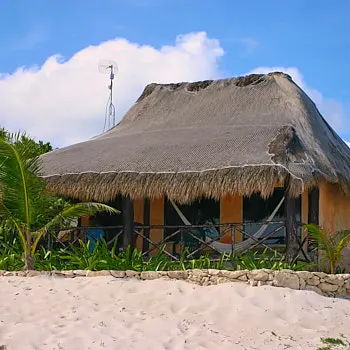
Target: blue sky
x=310 y=36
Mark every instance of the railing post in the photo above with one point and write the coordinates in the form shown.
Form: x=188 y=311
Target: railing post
x=233 y=229
x=128 y=223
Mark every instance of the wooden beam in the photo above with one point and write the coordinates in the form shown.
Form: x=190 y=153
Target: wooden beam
x=146 y=222
x=292 y=245
x=129 y=238
x=313 y=213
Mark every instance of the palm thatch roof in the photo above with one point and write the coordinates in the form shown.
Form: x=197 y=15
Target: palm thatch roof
x=208 y=138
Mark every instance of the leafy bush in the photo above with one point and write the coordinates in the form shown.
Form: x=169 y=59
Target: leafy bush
x=81 y=257
x=10 y=255
x=267 y=260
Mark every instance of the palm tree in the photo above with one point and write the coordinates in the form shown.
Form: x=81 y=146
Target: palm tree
x=330 y=244
x=24 y=199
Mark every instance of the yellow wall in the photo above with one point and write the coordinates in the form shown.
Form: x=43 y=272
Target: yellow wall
x=85 y=220
x=231 y=211
x=334 y=211
x=334 y=208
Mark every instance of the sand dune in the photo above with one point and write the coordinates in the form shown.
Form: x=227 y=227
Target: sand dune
x=107 y=313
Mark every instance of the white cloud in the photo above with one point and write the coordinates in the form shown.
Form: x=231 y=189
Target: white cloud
x=331 y=109
x=63 y=101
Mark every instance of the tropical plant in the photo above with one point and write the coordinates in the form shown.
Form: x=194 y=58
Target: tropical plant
x=331 y=245
x=266 y=260
x=10 y=254
x=23 y=198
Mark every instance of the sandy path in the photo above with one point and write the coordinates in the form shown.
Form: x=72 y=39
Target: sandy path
x=107 y=313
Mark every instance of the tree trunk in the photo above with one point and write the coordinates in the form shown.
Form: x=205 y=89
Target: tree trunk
x=27 y=257
x=28 y=261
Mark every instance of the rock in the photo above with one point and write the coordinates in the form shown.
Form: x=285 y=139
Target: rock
x=327 y=287
x=243 y=278
x=2 y=272
x=9 y=273
x=117 y=274
x=342 y=292
x=253 y=283
x=334 y=279
x=314 y=289
x=234 y=275
x=302 y=284
x=314 y=281
x=258 y=275
x=80 y=273
x=102 y=273
x=320 y=274
x=131 y=273
x=67 y=273
x=178 y=275
x=286 y=279
x=198 y=273
x=163 y=273
x=34 y=273
x=22 y=273
x=219 y=280
x=305 y=275
x=206 y=283
x=150 y=275
x=213 y=272
x=347 y=284
x=56 y=274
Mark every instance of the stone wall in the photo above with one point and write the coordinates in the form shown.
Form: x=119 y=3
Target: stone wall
x=319 y=282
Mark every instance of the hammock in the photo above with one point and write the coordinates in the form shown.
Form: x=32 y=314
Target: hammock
x=240 y=247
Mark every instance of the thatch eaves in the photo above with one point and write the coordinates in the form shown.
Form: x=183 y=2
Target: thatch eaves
x=209 y=138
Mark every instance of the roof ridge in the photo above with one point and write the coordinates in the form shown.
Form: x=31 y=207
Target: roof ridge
x=240 y=81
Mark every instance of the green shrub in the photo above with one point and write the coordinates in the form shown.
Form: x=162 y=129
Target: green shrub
x=267 y=260
x=81 y=257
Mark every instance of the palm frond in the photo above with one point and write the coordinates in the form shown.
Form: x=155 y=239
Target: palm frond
x=9 y=224
x=331 y=244
x=20 y=187
x=341 y=240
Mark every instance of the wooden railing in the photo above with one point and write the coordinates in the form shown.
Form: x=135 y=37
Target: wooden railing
x=189 y=239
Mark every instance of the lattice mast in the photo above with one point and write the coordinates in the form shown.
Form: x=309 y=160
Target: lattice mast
x=111 y=68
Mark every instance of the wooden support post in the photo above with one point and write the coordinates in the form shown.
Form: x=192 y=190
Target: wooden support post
x=146 y=222
x=313 y=212
x=128 y=223
x=313 y=215
x=292 y=245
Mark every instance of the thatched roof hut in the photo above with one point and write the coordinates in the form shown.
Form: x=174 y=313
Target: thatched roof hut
x=209 y=138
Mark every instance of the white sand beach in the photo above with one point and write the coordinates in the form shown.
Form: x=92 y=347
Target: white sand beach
x=107 y=313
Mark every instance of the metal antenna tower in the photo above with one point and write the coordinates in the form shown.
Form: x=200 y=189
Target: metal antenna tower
x=111 y=68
